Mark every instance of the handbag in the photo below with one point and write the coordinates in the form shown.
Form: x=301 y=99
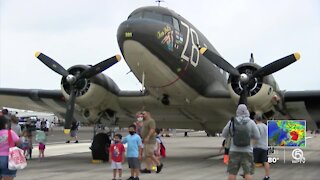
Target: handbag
x=16 y=158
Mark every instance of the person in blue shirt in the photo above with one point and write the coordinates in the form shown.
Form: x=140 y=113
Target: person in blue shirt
x=134 y=152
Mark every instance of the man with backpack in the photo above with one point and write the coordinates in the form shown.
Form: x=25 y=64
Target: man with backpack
x=241 y=129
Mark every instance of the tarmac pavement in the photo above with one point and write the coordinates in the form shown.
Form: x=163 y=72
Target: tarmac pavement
x=190 y=158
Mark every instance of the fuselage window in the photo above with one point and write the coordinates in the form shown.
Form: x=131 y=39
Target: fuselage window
x=176 y=24
x=137 y=15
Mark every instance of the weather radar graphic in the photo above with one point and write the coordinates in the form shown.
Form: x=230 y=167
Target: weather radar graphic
x=287 y=133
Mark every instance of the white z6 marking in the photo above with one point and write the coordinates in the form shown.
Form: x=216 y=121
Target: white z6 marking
x=194 y=48
x=194 y=56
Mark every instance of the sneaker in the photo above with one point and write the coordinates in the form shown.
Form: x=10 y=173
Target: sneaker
x=67 y=141
x=131 y=178
x=266 y=178
x=76 y=141
x=145 y=171
x=159 y=168
x=136 y=178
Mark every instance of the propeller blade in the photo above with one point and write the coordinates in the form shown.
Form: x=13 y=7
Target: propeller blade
x=219 y=61
x=70 y=110
x=98 y=68
x=51 y=64
x=276 y=65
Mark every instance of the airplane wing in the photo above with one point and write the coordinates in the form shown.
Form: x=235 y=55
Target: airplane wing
x=33 y=99
x=304 y=105
x=203 y=112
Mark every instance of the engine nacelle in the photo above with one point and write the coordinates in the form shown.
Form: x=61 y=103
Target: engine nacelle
x=262 y=91
x=93 y=95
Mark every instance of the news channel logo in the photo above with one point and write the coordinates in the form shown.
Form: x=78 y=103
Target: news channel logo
x=297 y=155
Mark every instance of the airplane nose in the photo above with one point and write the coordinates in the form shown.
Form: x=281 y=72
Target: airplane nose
x=146 y=32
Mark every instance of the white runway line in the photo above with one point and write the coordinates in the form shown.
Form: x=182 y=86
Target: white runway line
x=62 y=149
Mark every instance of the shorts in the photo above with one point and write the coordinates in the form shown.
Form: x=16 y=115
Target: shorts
x=116 y=165
x=133 y=163
x=24 y=146
x=260 y=155
x=4 y=171
x=148 y=150
x=226 y=151
x=42 y=146
x=73 y=133
x=240 y=159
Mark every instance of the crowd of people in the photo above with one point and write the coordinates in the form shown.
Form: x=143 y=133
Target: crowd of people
x=143 y=140
x=245 y=144
x=22 y=138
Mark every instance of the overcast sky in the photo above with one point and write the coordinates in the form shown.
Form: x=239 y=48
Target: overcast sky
x=84 y=32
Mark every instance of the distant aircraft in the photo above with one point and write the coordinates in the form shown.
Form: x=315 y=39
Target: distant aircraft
x=186 y=82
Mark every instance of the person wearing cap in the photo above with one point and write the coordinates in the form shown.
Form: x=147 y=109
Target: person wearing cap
x=241 y=155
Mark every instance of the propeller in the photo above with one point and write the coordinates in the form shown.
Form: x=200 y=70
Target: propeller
x=276 y=65
x=246 y=78
x=219 y=61
x=74 y=79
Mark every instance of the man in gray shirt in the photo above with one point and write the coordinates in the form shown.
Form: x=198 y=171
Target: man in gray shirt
x=15 y=125
x=241 y=156
x=260 y=148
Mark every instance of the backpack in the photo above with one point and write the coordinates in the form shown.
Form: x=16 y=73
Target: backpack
x=240 y=133
x=41 y=137
x=162 y=149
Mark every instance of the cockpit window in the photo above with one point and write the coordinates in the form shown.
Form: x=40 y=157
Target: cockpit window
x=137 y=15
x=152 y=15
x=167 y=19
x=156 y=16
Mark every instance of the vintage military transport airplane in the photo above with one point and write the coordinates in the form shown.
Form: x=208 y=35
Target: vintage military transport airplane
x=187 y=84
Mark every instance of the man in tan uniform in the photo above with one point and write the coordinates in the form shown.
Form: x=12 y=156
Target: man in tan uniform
x=148 y=136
